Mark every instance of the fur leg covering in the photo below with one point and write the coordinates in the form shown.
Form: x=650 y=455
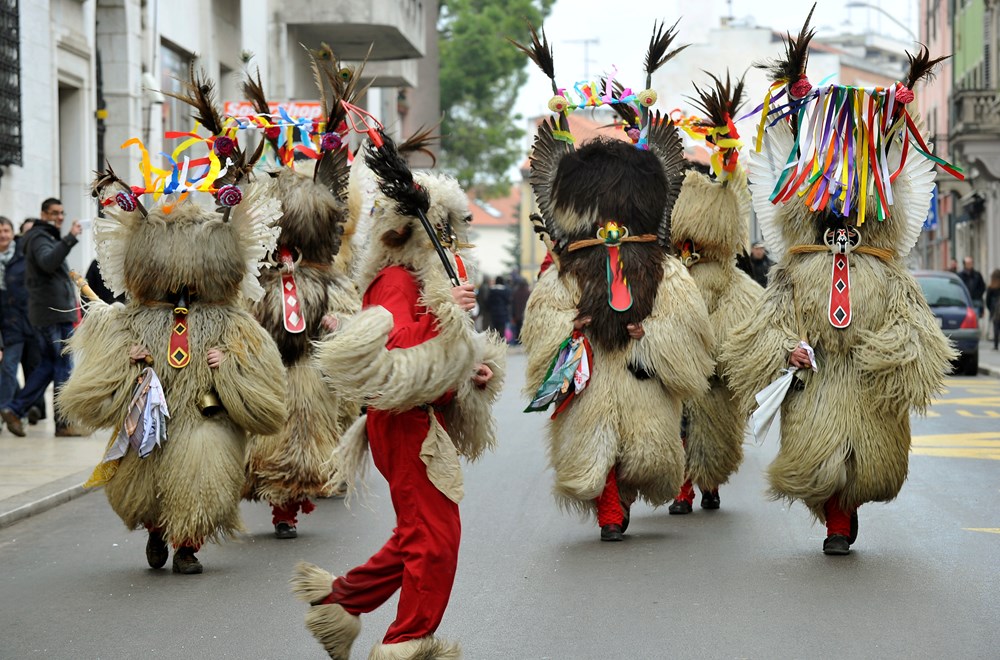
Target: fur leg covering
x=425 y=648
x=330 y=624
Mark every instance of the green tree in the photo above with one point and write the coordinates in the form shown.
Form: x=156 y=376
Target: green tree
x=481 y=74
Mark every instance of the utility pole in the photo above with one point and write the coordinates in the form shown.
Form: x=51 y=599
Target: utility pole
x=586 y=52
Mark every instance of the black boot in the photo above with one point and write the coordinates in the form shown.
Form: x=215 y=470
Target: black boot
x=612 y=532
x=156 y=550
x=710 y=499
x=185 y=562
x=836 y=544
x=854 y=528
x=679 y=508
x=285 y=531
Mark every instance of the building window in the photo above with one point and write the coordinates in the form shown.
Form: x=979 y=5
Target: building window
x=10 y=84
x=176 y=65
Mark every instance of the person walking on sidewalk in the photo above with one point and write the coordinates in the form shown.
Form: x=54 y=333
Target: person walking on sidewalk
x=993 y=305
x=52 y=310
x=973 y=281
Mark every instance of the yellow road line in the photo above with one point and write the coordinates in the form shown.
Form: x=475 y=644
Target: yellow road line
x=958 y=452
x=984 y=445
x=988 y=530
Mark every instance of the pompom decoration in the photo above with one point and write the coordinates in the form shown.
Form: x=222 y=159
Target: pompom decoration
x=558 y=104
x=126 y=201
x=800 y=87
x=647 y=97
x=330 y=142
x=633 y=134
x=272 y=132
x=904 y=94
x=229 y=195
x=224 y=146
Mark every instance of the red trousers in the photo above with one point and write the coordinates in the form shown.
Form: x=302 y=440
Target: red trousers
x=421 y=556
x=289 y=512
x=609 y=503
x=838 y=521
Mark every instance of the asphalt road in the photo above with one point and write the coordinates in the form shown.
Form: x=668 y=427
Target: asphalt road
x=748 y=581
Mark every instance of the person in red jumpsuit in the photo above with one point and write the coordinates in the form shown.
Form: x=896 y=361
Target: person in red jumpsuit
x=428 y=380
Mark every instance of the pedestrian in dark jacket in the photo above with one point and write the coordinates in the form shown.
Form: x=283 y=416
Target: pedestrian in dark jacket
x=13 y=310
x=499 y=305
x=760 y=264
x=993 y=305
x=518 y=303
x=973 y=280
x=52 y=310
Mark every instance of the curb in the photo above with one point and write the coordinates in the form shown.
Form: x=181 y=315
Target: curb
x=41 y=499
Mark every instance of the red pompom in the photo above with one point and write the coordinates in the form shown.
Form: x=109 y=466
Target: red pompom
x=272 y=132
x=801 y=87
x=904 y=94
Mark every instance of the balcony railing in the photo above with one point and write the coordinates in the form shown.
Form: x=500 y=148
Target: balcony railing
x=976 y=114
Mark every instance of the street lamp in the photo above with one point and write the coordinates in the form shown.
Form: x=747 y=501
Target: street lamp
x=868 y=5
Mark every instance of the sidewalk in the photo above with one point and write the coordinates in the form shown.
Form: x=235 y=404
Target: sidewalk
x=41 y=471
x=989 y=360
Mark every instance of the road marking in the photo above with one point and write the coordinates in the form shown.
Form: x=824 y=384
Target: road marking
x=988 y=530
x=984 y=401
x=958 y=445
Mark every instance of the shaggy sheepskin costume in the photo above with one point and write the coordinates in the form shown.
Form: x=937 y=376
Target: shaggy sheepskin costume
x=410 y=357
x=296 y=464
x=619 y=439
x=713 y=217
x=187 y=491
x=845 y=430
x=709 y=227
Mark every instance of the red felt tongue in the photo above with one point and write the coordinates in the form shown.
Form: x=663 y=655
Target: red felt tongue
x=619 y=295
x=291 y=307
x=840 y=292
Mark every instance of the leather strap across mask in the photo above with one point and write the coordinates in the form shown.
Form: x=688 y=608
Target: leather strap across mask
x=611 y=236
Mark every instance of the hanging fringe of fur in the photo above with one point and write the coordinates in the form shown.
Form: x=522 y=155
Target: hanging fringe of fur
x=793 y=65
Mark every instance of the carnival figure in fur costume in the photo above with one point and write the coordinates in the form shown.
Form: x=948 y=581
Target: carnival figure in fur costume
x=615 y=299
x=709 y=229
x=304 y=295
x=841 y=308
x=215 y=376
x=429 y=381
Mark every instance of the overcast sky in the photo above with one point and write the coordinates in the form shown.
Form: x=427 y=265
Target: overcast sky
x=621 y=31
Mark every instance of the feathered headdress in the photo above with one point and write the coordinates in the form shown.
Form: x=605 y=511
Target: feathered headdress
x=247 y=210
x=605 y=206
x=710 y=218
x=841 y=151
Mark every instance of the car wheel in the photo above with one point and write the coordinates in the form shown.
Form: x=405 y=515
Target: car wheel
x=970 y=364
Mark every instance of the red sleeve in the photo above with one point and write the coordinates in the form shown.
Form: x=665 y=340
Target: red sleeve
x=397 y=291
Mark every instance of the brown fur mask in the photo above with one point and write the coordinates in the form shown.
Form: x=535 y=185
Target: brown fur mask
x=602 y=181
x=313 y=220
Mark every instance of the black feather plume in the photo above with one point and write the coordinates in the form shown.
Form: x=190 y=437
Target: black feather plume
x=420 y=142
x=719 y=99
x=199 y=92
x=540 y=52
x=395 y=178
x=921 y=66
x=253 y=90
x=657 y=54
x=793 y=65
